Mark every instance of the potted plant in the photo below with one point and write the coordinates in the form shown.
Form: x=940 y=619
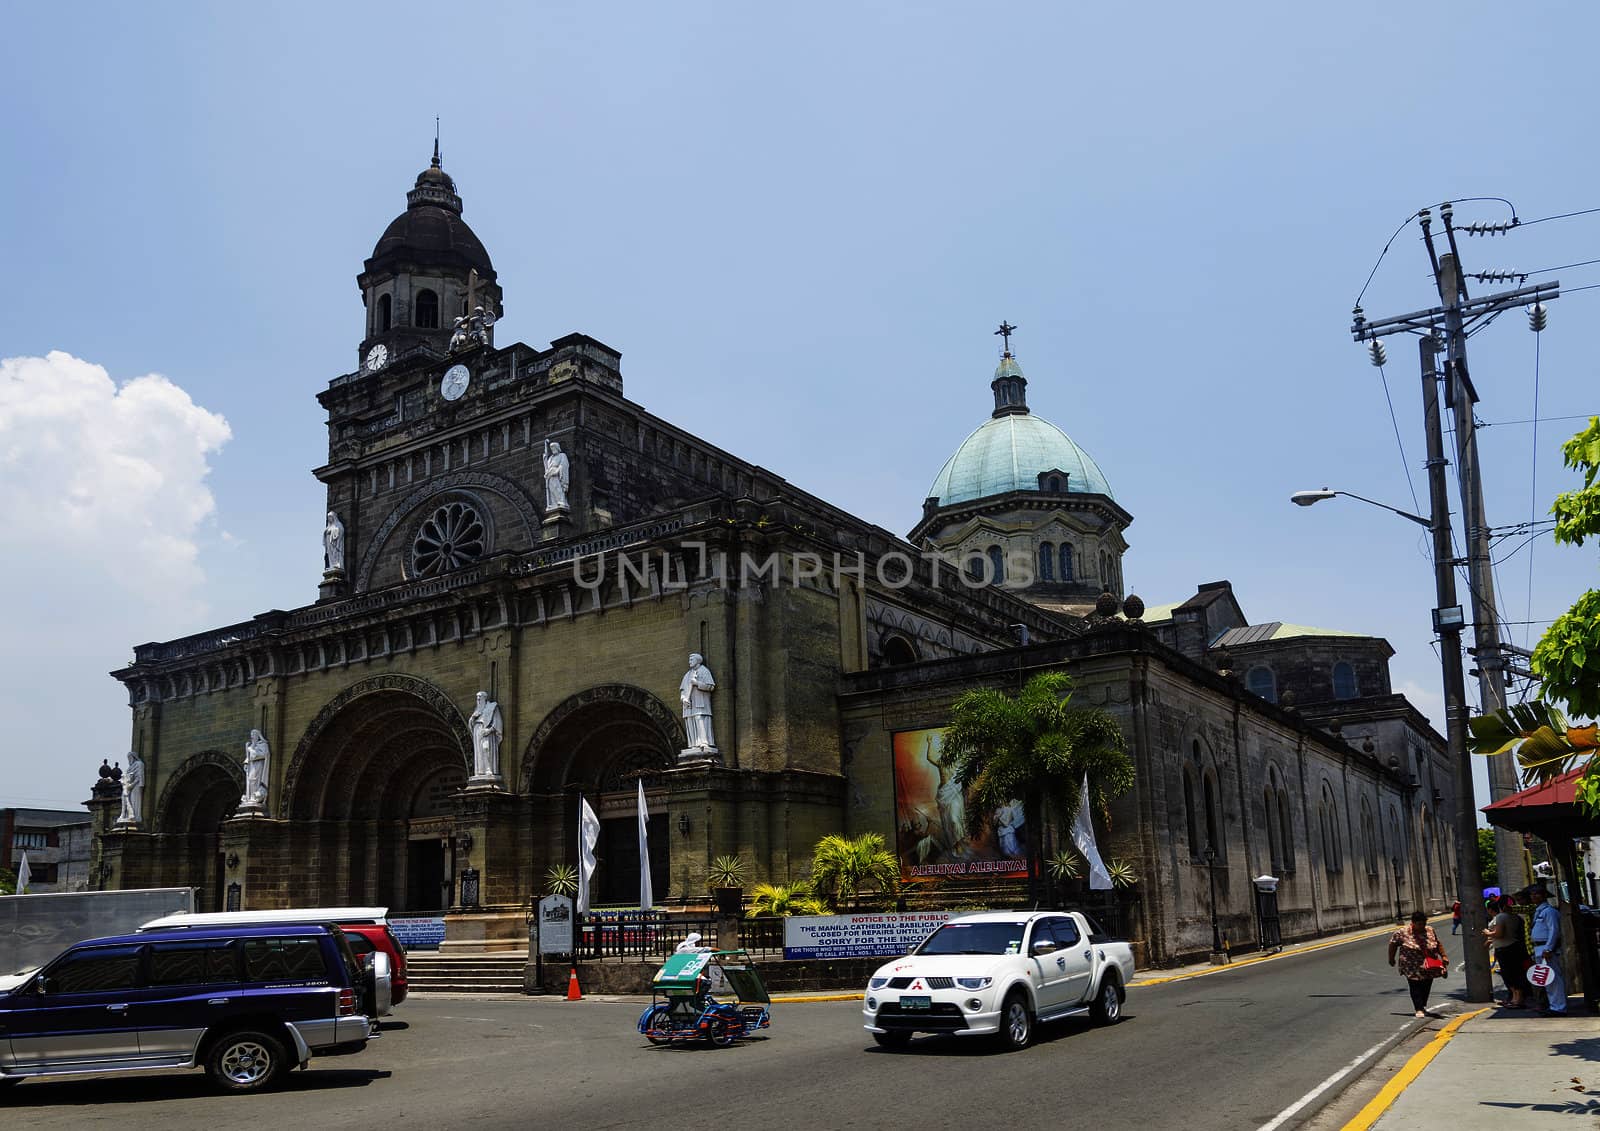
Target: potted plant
x=561 y=879
x=726 y=880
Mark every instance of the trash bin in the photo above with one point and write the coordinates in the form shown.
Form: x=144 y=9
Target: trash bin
x=1268 y=934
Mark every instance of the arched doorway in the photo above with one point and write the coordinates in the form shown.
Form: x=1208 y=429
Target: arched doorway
x=370 y=794
x=199 y=797
x=602 y=743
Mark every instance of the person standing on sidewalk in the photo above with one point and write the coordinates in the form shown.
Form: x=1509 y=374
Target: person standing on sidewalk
x=1505 y=939
x=1455 y=918
x=1545 y=934
x=1421 y=959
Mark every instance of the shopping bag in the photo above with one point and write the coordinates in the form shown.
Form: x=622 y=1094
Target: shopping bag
x=1434 y=967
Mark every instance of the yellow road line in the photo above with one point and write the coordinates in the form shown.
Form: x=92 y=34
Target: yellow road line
x=818 y=997
x=1390 y=1092
x=1306 y=949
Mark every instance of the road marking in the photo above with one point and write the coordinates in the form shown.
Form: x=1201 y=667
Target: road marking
x=1390 y=1092
x=1289 y=1112
x=1308 y=948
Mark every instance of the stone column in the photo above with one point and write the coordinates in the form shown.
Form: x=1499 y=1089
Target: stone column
x=104 y=803
x=488 y=822
x=267 y=873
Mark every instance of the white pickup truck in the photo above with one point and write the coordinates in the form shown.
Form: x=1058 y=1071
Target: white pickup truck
x=999 y=973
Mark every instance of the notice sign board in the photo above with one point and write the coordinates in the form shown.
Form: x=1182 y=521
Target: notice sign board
x=857 y=936
x=419 y=932
x=555 y=925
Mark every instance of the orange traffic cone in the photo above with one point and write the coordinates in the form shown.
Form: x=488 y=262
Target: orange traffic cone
x=574 y=993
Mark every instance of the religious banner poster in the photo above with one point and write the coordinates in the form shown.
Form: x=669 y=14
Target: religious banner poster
x=932 y=835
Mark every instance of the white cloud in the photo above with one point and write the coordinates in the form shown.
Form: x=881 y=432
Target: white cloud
x=103 y=498
x=107 y=482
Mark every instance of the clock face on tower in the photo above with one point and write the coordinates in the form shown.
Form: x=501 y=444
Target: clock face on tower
x=455 y=382
x=377 y=357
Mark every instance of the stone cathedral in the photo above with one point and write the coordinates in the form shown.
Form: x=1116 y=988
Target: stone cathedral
x=534 y=589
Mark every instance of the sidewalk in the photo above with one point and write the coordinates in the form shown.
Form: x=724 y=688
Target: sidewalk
x=1491 y=1069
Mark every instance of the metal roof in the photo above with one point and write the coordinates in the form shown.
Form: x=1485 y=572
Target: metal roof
x=1007 y=453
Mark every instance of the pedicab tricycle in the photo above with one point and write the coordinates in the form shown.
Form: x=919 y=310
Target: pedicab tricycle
x=715 y=996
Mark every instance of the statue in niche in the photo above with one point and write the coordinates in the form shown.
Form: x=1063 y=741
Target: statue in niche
x=488 y=728
x=132 y=790
x=694 y=693
x=257 y=765
x=333 y=544
x=557 y=477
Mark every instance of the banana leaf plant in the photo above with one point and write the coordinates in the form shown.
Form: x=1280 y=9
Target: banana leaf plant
x=1544 y=744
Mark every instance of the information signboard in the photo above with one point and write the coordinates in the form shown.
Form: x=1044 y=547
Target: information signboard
x=857 y=936
x=419 y=932
x=555 y=925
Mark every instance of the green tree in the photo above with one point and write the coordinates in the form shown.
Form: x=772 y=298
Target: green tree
x=785 y=900
x=1488 y=861
x=1035 y=746
x=844 y=868
x=1567 y=657
x=8 y=883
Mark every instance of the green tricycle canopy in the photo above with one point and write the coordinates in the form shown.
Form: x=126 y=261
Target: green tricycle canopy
x=689 y=971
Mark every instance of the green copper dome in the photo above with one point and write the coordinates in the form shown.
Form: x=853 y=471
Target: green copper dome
x=1011 y=450
x=1008 y=453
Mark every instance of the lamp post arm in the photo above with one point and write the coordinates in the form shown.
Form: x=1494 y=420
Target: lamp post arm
x=1416 y=518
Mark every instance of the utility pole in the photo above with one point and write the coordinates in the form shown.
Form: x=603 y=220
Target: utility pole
x=1447 y=622
x=1462 y=396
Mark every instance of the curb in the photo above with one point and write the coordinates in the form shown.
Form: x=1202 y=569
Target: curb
x=817 y=997
x=1408 y=1073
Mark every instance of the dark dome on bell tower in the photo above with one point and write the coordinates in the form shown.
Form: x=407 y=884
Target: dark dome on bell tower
x=428 y=269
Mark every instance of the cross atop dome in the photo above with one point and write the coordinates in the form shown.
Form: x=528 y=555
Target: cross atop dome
x=1009 y=385
x=1005 y=332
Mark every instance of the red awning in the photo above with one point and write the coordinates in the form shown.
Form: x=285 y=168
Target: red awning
x=1545 y=810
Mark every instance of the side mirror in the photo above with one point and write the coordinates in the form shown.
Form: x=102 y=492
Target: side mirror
x=1044 y=946
x=43 y=985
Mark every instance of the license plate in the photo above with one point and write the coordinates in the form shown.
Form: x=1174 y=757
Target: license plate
x=916 y=1003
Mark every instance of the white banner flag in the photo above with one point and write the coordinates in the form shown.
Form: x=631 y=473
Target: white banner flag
x=24 y=876
x=645 y=894
x=1083 y=837
x=588 y=837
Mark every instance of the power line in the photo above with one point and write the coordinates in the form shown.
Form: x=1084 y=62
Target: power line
x=1558 y=216
x=1395 y=423
x=1534 y=420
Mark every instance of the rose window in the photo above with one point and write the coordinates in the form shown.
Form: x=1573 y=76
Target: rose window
x=452 y=537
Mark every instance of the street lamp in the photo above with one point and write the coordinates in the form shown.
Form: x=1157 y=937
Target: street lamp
x=1211 y=867
x=1307 y=498
x=1399 y=915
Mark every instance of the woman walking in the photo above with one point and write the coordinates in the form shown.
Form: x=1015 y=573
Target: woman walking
x=1421 y=959
x=1508 y=945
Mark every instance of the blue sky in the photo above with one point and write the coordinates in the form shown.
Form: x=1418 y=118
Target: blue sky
x=800 y=227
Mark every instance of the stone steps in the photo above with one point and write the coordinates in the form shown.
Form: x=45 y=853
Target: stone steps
x=497 y=973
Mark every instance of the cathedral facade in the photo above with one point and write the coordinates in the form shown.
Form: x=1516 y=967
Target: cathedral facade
x=535 y=589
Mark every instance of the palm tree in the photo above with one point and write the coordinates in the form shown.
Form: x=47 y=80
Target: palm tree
x=1034 y=746
x=842 y=868
x=785 y=900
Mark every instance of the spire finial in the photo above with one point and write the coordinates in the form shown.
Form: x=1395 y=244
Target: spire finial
x=1005 y=332
x=436 y=164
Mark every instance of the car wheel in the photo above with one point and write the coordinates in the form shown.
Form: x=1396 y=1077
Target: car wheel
x=719 y=1033
x=894 y=1039
x=246 y=1061
x=1016 y=1022
x=1107 y=1007
x=658 y=1025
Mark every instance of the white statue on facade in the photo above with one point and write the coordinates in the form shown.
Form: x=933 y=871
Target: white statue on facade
x=333 y=544
x=488 y=728
x=557 y=477
x=694 y=693
x=257 y=765
x=132 y=790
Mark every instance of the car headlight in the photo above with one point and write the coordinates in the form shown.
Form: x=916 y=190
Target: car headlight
x=877 y=983
x=974 y=983
x=872 y=1004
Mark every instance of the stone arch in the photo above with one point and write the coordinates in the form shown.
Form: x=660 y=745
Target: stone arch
x=409 y=702
x=460 y=482
x=196 y=789
x=540 y=769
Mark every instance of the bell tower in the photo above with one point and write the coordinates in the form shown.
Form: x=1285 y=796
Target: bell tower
x=427 y=270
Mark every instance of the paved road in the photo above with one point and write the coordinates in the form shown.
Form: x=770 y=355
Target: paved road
x=1227 y=1051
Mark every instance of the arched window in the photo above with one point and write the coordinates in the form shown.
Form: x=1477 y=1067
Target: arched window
x=427 y=310
x=976 y=569
x=1344 y=681
x=1214 y=813
x=1262 y=682
x=1191 y=818
x=997 y=565
x=385 y=312
x=1054 y=484
x=1286 y=823
x=898 y=650
x=1066 y=562
x=1047 y=561
x=1369 y=838
x=1332 y=858
x=1397 y=848
x=1427 y=847
x=1274 y=836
